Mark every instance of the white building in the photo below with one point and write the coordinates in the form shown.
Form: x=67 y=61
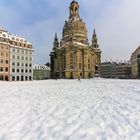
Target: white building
x=41 y=72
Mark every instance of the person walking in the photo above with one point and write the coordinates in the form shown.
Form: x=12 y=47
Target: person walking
x=79 y=80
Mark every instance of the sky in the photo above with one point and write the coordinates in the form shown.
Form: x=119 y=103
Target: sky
x=117 y=24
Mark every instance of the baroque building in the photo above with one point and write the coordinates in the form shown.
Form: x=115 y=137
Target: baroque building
x=73 y=57
x=16 y=58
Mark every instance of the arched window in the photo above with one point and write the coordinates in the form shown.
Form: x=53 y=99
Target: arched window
x=76 y=9
x=71 y=59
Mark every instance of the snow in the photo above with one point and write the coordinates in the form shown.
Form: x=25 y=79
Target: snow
x=93 y=109
x=79 y=43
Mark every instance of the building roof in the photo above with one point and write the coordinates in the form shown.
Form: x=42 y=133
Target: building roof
x=41 y=67
x=135 y=53
x=12 y=37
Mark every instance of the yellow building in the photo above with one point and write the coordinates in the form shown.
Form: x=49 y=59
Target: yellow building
x=73 y=57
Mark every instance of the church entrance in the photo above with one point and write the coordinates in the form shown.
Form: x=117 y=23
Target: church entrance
x=89 y=75
x=71 y=75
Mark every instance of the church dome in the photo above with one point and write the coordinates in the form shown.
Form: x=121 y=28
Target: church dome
x=75 y=28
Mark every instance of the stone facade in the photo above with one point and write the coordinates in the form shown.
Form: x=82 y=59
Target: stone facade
x=135 y=63
x=73 y=57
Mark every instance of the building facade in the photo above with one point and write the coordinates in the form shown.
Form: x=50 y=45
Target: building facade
x=108 y=70
x=135 y=63
x=4 y=59
x=41 y=72
x=16 y=58
x=73 y=57
x=116 y=70
x=123 y=70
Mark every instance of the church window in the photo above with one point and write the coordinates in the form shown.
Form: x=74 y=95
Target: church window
x=71 y=59
x=82 y=28
x=71 y=75
x=88 y=66
x=95 y=57
x=88 y=63
x=80 y=66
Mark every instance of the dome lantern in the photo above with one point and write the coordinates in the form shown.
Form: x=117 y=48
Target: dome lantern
x=74 y=9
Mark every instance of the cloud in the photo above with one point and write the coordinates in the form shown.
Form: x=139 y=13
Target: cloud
x=116 y=22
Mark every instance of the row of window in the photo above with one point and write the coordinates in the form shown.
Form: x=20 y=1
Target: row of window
x=2 y=47
x=22 y=70
x=2 y=61
x=21 y=51
x=2 y=54
x=21 y=78
x=6 y=78
x=4 y=39
x=21 y=44
x=15 y=43
x=13 y=64
x=22 y=64
x=22 y=58
x=2 y=69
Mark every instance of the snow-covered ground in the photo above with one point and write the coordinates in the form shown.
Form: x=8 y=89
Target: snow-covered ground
x=94 y=109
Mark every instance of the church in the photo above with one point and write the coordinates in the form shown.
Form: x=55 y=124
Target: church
x=73 y=57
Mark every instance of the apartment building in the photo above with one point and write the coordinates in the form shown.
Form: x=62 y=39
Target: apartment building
x=108 y=70
x=116 y=70
x=16 y=58
x=4 y=61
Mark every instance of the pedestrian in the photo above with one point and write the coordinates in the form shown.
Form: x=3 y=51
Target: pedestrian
x=79 y=79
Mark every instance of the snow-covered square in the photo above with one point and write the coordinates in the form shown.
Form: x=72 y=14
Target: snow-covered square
x=93 y=109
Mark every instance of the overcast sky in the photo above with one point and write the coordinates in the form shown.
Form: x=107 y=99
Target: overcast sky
x=117 y=24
